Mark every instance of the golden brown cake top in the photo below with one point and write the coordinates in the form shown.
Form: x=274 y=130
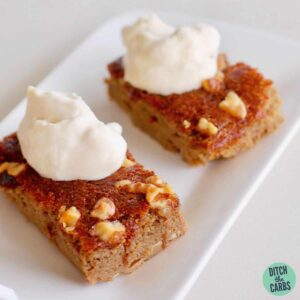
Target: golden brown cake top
x=185 y=110
x=130 y=201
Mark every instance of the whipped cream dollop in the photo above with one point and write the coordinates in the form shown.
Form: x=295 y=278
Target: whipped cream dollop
x=7 y=293
x=62 y=139
x=164 y=60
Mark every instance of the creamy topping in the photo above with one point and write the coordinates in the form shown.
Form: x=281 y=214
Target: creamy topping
x=163 y=59
x=62 y=139
x=7 y=293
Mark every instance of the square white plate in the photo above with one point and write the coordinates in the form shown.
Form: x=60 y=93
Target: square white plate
x=212 y=196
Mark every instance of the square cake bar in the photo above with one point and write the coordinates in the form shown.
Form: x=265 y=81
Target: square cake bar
x=224 y=116
x=105 y=227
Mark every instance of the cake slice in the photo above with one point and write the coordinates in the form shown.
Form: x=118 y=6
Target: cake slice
x=227 y=114
x=105 y=227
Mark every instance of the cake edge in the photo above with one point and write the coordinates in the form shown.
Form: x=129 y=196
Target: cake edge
x=172 y=139
x=102 y=264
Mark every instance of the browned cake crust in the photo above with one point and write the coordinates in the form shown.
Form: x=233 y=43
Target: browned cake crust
x=149 y=226
x=173 y=120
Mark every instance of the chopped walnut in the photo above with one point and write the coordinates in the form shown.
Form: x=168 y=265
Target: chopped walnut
x=121 y=183
x=153 y=189
x=186 y=124
x=69 y=218
x=159 y=199
x=207 y=127
x=234 y=105
x=222 y=62
x=103 y=209
x=152 y=192
x=215 y=84
x=12 y=168
x=128 y=163
x=137 y=187
x=3 y=167
x=156 y=180
x=220 y=76
x=109 y=231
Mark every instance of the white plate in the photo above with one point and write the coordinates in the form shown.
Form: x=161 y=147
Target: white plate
x=212 y=197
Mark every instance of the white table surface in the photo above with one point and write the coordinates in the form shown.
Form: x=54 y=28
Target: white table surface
x=35 y=35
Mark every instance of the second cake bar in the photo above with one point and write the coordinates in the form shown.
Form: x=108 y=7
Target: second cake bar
x=227 y=115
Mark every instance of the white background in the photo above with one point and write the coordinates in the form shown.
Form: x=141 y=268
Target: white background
x=35 y=35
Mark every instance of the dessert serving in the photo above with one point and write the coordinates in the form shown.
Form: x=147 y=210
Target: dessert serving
x=179 y=89
x=73 y=176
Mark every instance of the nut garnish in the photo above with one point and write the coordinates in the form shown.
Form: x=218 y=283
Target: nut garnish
x=12 y=168
x=109 y=231
x=156 y=180
x=222 y=62
x=152 y=192
x=215 y=84
x=186 y=124
x=207 y=127
x=219 y=76
x=234 y=105
x=137 y=187
x=69 y=218
x=3 y=167
x=153 y=189
x=128 y=163
x=103 y=209
x=206 y=85
x=121 y=183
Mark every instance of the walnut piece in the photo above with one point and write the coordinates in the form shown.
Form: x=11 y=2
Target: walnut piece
x=109 y=231
x=215 y=84
x=152 y=193
x=121 y=183
x=156 y=191
x=207 y=127
x=156 y=180
x=69 y=218
x=128 y=163
x=222 y=62
x=12 y=168
x=186 y=124
x=137 y=187
x=103 y=209
x=234 y=105
x=219 y=76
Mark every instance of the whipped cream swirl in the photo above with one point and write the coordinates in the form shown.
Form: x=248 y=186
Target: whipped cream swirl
x=162 y=59
x=62 y=139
